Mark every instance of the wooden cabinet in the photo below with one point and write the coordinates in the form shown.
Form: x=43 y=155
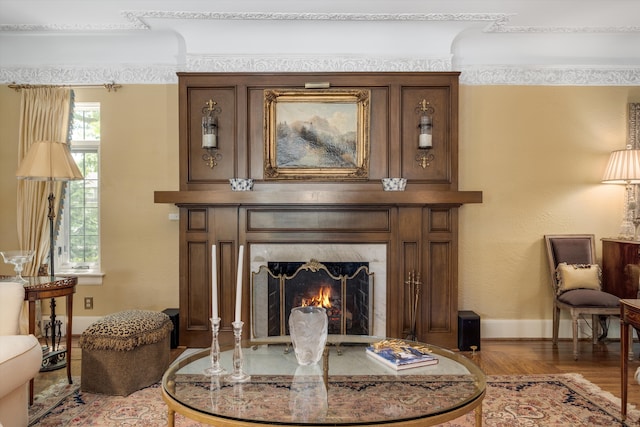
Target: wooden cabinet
x=616 y=254
x=419 y=226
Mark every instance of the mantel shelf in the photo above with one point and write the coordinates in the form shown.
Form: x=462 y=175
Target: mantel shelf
x=315 y=198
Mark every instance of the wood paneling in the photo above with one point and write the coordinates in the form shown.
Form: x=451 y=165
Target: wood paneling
x=328 y=220
x=198 y=291
x=197 y=170
x=419 y=225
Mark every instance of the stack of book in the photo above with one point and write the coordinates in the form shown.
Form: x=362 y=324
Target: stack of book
x=398 y=354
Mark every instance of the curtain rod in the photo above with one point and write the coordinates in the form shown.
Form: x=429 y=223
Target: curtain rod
x=108 y=86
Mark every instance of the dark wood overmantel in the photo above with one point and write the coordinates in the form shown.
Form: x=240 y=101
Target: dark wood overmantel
x=343 y=198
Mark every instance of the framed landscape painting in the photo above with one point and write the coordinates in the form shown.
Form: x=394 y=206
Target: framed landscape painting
x=316 y=134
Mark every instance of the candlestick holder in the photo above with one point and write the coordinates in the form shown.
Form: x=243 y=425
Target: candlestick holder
x=238 y=375
x=215 y=368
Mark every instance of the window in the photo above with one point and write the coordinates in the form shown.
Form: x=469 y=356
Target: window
x=78 y=242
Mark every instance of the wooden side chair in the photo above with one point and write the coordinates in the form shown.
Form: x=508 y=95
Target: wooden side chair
x=576 y=281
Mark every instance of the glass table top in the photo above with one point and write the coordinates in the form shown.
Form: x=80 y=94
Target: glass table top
x=355 y=390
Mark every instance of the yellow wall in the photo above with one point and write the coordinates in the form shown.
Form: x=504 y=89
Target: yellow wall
x=537 y=153
x=139 y=154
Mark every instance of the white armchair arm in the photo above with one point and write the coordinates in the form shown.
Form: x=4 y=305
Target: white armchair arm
x=11 y=302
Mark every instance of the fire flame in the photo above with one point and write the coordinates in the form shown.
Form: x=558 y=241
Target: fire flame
x=322 y=299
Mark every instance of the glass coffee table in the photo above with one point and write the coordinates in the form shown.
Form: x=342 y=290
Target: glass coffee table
x=346 y=388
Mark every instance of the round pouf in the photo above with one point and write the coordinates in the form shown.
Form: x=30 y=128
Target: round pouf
x=124 y=352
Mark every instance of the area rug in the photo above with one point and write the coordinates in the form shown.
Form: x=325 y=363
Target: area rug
x=522 y=400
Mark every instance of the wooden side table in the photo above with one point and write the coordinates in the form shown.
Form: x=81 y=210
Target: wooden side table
x=45 y=287
x=629 y=316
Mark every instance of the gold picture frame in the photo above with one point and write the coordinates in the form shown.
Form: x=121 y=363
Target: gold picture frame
x=316 y=134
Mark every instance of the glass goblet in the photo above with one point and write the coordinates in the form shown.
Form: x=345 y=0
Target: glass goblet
x=18 y=259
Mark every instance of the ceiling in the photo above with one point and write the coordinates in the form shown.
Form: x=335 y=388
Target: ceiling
x=584 y=42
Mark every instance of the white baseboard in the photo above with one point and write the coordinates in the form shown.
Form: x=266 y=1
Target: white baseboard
x=539 y=328
x=80 y=323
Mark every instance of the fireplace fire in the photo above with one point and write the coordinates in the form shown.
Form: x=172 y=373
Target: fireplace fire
x=320 y=299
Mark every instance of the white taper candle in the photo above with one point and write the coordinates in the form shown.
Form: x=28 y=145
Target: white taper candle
x=214 y=283
x=239 y=284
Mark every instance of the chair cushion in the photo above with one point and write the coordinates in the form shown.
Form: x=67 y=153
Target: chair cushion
x=589 y=298
x=578 y=276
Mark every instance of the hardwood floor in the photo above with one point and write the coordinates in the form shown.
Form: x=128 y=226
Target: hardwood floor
x=599 y=364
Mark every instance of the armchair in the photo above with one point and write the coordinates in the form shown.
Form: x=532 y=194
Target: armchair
x=20 y=358
x=576 y=282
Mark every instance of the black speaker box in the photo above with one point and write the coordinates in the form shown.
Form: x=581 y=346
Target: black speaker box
x=173 y=314
x=468 y=330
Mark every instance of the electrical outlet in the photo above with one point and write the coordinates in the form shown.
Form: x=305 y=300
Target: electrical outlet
x=88 y=303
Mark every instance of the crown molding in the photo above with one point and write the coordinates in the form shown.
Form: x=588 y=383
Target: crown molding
x=61 y=75
x=476 y=75
x=136 y=19
x=321 y=63
x=550 y=76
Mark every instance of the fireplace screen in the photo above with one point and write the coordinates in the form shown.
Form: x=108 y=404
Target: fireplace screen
x=344 y=289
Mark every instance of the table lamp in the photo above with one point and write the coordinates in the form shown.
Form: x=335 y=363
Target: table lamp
x=624 y=168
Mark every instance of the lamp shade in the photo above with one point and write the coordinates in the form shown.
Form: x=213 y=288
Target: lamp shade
x=48 y=161
x=623 y=167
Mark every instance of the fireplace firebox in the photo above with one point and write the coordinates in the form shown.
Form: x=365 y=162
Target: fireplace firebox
x=344 y=289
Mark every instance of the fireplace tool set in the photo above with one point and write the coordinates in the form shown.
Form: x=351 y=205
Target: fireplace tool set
x=414 y=285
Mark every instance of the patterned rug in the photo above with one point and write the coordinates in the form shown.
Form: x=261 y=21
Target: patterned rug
x=531 y=401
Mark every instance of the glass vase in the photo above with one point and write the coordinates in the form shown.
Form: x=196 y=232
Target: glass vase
x=308 y=330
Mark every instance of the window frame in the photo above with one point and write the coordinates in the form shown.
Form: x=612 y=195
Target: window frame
x=87 y=272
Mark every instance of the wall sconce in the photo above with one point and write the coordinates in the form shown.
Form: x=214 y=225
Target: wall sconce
x=425 y=137
x=210 y=133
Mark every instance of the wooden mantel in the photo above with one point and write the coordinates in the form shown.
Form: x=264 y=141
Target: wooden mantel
x=343 y=198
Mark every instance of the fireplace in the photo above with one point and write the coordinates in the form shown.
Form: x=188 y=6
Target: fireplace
x=349 y=282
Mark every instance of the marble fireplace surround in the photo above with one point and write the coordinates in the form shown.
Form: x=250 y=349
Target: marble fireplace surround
x=375 y=254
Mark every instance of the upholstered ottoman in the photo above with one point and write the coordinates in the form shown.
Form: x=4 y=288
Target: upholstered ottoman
x=124 y=352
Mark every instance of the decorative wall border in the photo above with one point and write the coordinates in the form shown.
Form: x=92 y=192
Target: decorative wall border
x=166 y=74
x=551 y=76
x=135 y=19
x=314 y=63
x=498 y=22
x=60 y=75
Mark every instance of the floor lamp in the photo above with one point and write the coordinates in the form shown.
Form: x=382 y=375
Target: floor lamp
x=50 y=161
x=624 y=168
